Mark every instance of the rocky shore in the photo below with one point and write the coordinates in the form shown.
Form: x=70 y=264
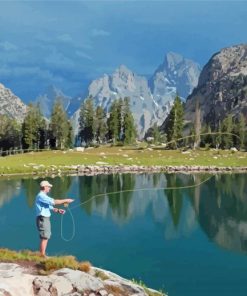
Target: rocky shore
x=109 y=169
x=90 y=170
x=18 y=280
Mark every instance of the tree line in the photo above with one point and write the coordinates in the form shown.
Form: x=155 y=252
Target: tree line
x=230 y=132
x=95 y=127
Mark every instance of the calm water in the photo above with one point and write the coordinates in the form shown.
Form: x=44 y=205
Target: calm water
x=190 y=241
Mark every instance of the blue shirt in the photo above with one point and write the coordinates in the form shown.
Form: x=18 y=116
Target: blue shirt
x=43 y=204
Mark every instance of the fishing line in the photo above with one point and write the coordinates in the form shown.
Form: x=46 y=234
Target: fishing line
x=121 y=191
x=142 y=189
x=203 y=134
x=73 y=227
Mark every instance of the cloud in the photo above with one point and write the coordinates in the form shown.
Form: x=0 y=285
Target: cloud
x=82 y=54
x=65 y=38
x=5 y=45
x=59 y=61
x=101 y=33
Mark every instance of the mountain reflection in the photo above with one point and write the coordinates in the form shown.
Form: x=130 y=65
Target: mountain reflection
x=222 y=211
x=9 y=189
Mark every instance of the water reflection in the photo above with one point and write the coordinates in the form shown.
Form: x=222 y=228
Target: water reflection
x=9 y=188
x=221 y=208
x=60 y=188
x=218 y=206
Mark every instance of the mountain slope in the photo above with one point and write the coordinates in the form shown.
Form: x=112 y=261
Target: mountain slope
x=222 y=87
x=11 y=105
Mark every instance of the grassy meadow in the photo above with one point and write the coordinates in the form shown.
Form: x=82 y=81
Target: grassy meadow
x=42 y=162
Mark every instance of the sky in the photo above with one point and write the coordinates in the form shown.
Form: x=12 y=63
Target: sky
x=69 y=43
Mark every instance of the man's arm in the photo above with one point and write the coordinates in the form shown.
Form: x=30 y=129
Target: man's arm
x=62 y=201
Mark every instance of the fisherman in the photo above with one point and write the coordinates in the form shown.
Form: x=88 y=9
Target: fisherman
x=44 y=204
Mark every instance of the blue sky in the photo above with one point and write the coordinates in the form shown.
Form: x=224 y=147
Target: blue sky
x=69 y=43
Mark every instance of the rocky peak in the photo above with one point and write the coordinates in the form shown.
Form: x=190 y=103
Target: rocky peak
x=175 y=75
x=11 y=105
x=124 y=83
x=222 y=87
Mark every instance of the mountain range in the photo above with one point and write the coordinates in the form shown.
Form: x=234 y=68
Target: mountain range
x=220 y=88
x=150 y=100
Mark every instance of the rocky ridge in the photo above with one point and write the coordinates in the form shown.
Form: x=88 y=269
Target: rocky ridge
x=16 y=280
x=11 y=105
x=150 y=101
x=222 y=87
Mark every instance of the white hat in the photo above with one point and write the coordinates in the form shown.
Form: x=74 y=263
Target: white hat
x=45 y=183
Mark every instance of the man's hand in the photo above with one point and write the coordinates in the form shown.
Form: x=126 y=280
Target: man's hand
x=60 y=211
x=69 y=200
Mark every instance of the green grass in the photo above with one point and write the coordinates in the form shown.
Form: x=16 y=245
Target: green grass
x=148 y=291
x=44 y=266
x=53 y=161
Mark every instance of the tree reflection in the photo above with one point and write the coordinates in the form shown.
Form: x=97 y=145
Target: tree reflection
x=31 y=187
x=90 y=186
x=174 y=197
x=60 y=188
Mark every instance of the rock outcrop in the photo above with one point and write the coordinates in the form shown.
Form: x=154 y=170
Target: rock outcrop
x=11 y=105
x=222 y=87
x=16 y=280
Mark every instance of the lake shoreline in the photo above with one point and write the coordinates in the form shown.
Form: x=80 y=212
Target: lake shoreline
x=91 y=170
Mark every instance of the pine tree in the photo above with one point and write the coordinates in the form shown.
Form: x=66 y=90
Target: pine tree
x=175 y=123
x=113 y=123
x=227 y=129
x=87 y=121
x=100 y=125
x=59 y=127
x=218 y=137
x=70 y=138
x=10 y=133
x=207 y=140
x=197 y=125
x=156 y=133
x=240 y=131
x=128 y=130
x=120 y=117
x=32 y=128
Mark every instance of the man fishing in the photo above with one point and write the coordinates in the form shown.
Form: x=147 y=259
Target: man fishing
x=44 y=204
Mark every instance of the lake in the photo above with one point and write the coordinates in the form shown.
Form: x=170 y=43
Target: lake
x=190 y=239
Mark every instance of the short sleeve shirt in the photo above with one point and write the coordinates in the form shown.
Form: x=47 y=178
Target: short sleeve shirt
x=43 y=204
